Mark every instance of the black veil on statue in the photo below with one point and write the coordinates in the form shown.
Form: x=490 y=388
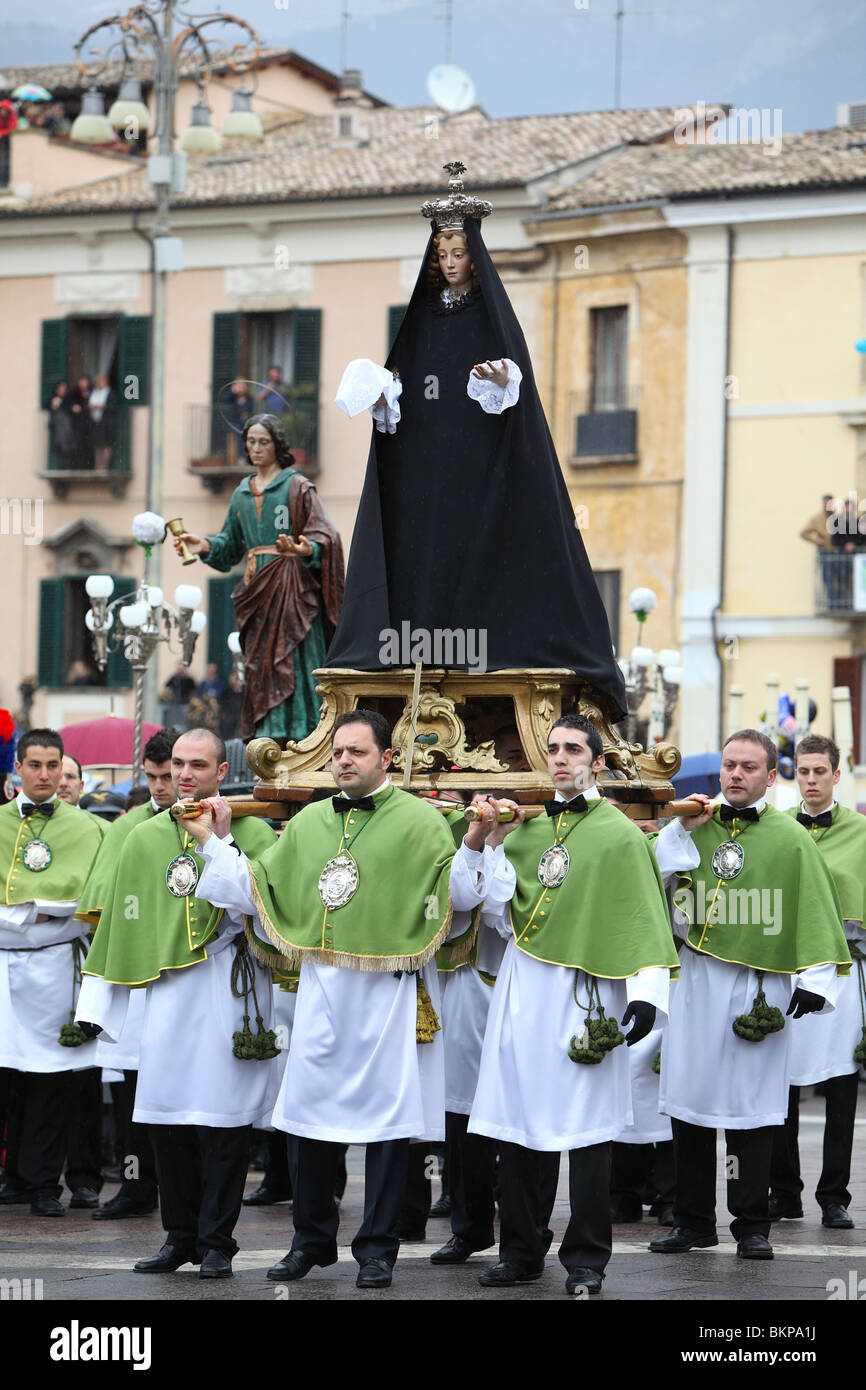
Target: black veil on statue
x=465 y=523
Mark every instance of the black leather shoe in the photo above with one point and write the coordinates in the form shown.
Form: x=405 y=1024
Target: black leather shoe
x=295 y=1265
x=505 y=1273
x=169 y=1258
x=266 y=1197
x=456 y=1251
x=442 y=1207
x=785 y=1208
x=45 y=1205
x=680 y=1240
x=836 y=1217
x=84 y=1197
x=662 y=1216
x=754 y=1248
x=410 y=1235
x=583 y=1278
x=122 y=1206
x=215 y=1265
x=374 y=1274
x=625 y=1213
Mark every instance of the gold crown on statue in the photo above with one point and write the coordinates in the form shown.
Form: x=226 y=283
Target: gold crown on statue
x=449 y=214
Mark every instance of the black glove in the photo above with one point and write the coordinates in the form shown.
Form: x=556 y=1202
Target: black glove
x=90 y=1030
x=644 y=1016
x=805 y=1002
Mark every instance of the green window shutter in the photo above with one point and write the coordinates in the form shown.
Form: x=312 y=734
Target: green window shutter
x=118 y=672
x=225 y=348
x=55 y=358
x=133 y=361
x=396 y=314
x=220 y=620
x=52 y=604
x=307 y=341
x=120 y=454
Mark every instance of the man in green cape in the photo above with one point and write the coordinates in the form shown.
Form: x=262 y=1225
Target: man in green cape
x=46 y=849
x=356 y=893
x=763 y=931
x=138 y=1189
x=198 y=1094
x=577 y=895
x=823 y=1048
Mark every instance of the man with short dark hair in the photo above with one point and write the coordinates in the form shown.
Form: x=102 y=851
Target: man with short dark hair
x=760 y=918
x=137 y=1194
x=590 y=946
x=822 y=1048
x=356 y=893
x=46 y=849
x=71 y=781
x=197 y=1092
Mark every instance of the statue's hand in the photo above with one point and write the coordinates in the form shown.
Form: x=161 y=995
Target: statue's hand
x=497 y=372
x=287 y=545
x=197 y=545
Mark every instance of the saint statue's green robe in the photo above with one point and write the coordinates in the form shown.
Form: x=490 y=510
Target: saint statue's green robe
x=243 y=531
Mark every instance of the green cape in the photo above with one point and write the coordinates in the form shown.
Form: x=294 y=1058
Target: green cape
x=145 y=929
x=609 y=916
x=99 y=887
x=781 y=913
x=401 y=911
x=842 y=846
x=73 y=837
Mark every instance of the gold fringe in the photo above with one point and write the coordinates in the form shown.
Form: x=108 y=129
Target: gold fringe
x=459 y=952
x=291 y=957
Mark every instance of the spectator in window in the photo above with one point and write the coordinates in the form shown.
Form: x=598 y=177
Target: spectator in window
x=79 y=409
x=79 y=674
x=231 y=705
x=273 y=398
x=179 y=688
x=236 y=405
x=102 y=408
x=213 y=684
x=61 y=427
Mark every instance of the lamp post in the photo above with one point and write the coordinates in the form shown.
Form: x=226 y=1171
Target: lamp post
x=173 y=41
x=145 y=620
x=645 y=670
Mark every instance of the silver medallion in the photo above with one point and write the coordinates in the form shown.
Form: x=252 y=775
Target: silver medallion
x=36 y=855
x=728 y=860
x=338 y=881
x=553 y=866
x=181 y=876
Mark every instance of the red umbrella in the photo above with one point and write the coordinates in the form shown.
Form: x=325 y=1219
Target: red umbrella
x=103 y=742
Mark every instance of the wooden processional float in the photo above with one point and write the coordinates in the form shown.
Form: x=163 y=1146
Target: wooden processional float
x=444 y=723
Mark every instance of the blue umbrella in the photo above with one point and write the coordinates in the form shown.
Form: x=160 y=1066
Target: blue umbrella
x=699 y=773
x=31 y=91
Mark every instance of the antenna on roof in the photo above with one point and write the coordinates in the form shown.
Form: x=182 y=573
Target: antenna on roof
x=618 y=15
x=344 y=38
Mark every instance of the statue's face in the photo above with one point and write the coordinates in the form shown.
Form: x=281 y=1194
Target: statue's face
x=454 y=261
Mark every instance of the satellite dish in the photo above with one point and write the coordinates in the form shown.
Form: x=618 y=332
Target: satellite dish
x=451 y=87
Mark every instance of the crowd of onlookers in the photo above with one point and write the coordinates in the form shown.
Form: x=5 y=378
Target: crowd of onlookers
x=83 y=423
x=212 y=703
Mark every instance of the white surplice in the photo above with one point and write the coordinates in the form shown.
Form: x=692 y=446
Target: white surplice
x=466 y=1000
x=355 y=1073
x=710 y=1076
x=648 y=1125
x=529 y=1091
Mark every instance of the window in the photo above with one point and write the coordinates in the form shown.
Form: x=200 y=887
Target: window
x=92 y=438
x=609 y=329
x=65 y=647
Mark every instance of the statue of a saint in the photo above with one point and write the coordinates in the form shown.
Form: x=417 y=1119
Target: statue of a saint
x=288 y=602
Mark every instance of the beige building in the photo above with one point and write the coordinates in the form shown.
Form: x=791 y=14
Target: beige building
x=299 y=250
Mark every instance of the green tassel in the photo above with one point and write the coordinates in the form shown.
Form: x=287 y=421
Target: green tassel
x=600 y=1036
x=860 y=1049
x=657 y=1063
x=761 y=1019
x=71 y=1035
x=254 y=1047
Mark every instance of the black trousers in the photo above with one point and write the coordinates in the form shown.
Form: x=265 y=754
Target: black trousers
x=471 y=1162
x=137 y=1163
x=315 y=1168
x=84 y=1146
x=201 y=1172
x=749 y=1155
x=841 y=1107
x=527 y=1190
x=276 y=1176
x=640 y=1169
x=419 y=1189
x=43 y=1116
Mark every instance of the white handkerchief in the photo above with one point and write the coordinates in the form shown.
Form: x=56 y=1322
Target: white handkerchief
x=362 y=384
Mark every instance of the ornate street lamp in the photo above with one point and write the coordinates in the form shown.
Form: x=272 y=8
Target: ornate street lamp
x=645 y=670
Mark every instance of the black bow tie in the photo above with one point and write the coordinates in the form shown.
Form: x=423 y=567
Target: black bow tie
x=42 y=808
x=555 y=808
x=729 y=813
x=825 y=818
x=341 y=804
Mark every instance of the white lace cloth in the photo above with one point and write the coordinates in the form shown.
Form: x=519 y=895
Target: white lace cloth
x=494 y=399
x=361 y=386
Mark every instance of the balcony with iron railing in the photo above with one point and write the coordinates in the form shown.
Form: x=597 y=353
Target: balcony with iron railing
x=213 y=443
x=605 y=426
x=75 y=453
x=840 y=582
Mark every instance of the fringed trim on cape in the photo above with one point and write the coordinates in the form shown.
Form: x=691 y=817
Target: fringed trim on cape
x=459 y=951
x=291 y=957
